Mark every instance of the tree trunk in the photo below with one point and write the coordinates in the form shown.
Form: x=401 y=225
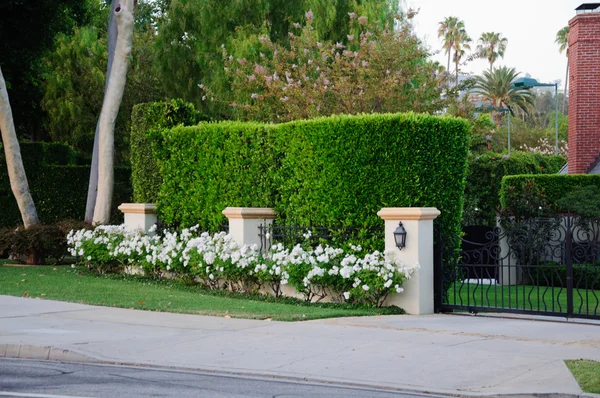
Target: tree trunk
x=113 y=34
x=14 y=163
x=566 y=87
x=449 y=52
x=110 y=109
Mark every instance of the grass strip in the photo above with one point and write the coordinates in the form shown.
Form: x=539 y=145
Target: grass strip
x=587 y=374
x=79 y=285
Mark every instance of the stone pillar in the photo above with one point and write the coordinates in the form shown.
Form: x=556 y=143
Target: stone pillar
x=244 y=223
x=140 y=216
x=417 y=298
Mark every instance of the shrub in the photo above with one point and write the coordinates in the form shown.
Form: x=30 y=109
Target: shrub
x=330 y=172
x=484 y=180
x=57 y=185
x=38 y=243
x=555 y=188
x=219 y=262
x=144 y=119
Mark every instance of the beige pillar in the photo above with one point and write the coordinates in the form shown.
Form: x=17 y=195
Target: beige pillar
x=417 y=298
x=141 y=216
x=244 y=223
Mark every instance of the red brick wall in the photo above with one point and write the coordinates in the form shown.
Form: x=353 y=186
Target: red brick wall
x=584 y=92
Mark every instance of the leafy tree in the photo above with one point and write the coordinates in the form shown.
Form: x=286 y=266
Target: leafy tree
x=562 y=39
x=74 y=86
x=27 y=31
x=496 y=87
x=491 y=46
x=380 y=70
x=188 y=45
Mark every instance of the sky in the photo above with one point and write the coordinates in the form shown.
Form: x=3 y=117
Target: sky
x=529 y=25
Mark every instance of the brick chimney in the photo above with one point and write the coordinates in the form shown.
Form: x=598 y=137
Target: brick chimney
x=584 y=88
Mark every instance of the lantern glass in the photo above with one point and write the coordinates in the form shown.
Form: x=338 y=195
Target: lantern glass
x=400 y=236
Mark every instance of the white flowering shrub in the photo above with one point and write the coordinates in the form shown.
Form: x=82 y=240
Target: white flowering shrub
x=218 y=262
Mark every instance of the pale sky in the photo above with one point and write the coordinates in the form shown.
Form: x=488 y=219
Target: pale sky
x=529 y=25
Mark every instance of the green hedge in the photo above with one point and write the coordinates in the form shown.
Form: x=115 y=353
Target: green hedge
x=144 y=119
x=554 y=187
x=214 y=165
x=336 y=171
x=58 y=188
x=484 y=180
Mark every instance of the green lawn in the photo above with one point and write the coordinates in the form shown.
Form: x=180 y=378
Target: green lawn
x=80 y=286
x=587 y=374
x=537 y=298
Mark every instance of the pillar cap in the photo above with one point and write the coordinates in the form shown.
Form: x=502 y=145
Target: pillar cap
x=138 y=208
x=408 y=213
x=262 y=213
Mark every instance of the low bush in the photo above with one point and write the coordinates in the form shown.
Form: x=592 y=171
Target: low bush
x=484 y=180
x=218 y=262
x=38 y=244
x=575 y=187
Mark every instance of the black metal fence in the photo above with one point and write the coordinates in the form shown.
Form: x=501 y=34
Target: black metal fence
x=548 y=266
x=290 y=235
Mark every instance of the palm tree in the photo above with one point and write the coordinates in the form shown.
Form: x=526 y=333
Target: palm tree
x=461 y=43
x=491 y=46
x=495 y=86
x=562 y=39
x=449 y=31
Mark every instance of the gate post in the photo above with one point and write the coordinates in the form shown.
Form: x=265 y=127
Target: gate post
x=417 y=298
x=244 y=223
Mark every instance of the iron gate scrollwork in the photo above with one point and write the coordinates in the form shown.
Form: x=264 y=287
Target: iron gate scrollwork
x=545 y=266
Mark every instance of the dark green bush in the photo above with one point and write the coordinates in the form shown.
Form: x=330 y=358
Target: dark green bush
x=59 y=191
x=484 y=180
x=555 y=187
x=329 y=172
x=144 y=119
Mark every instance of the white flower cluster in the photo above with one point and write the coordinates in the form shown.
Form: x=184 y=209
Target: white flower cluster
x=219 y=261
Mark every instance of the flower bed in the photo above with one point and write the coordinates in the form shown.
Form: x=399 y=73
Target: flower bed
x=217 y=261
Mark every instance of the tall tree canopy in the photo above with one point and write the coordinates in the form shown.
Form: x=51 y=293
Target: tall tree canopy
x=188 y=46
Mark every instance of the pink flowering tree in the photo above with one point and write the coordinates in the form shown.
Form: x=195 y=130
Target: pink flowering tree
x=376 y=70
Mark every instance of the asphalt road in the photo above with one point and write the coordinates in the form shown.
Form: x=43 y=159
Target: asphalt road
x=47 y=379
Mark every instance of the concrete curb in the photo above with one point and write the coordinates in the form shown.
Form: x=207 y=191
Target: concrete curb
x=42 y=353
x=63 y=355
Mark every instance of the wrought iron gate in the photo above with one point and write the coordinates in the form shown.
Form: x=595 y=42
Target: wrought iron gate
x=547 y=266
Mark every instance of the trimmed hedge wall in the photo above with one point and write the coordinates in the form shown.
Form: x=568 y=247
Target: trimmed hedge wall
x=144 y=119
x=214 y=165
x=554 y=187
x=325 y=172
x=485 y=175
x=58 y=188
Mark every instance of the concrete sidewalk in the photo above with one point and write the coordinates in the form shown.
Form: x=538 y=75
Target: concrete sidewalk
x=437 y=353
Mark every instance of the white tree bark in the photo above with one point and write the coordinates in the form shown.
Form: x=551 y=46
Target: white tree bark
x=14 y=163
x=113 y=34
x=110 y=109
